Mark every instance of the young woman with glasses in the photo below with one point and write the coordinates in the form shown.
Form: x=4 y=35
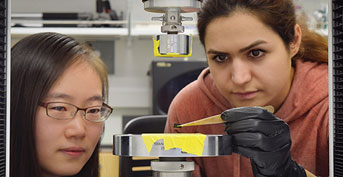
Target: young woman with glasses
x=58 y=94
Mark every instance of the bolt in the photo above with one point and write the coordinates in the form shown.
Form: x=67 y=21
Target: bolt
x=172 y=17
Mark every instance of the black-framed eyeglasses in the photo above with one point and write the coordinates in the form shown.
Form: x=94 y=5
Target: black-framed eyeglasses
x=64 y=111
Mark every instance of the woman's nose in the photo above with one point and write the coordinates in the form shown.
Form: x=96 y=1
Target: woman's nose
x=240 y=72
x=77 y=126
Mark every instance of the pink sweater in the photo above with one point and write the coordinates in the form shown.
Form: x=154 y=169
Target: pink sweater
x=305 y=110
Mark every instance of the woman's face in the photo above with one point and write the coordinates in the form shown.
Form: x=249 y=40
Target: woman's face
x=64 y=146
x=248 y=61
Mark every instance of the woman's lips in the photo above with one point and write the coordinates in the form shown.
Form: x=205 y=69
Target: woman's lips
x=73 y=152
x=245 y=95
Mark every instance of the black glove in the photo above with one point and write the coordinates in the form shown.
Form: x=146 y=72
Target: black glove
x=265 y=139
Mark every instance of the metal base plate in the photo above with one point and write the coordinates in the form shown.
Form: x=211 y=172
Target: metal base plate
x=136 y=145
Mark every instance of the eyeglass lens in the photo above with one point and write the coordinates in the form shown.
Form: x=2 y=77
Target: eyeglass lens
x=68 y=111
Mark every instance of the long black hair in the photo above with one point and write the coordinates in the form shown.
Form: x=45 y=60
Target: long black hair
x=37 y=61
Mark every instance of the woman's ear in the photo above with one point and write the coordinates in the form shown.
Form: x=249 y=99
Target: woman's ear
x=295 y=44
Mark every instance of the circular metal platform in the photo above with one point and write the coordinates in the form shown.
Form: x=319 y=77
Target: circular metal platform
x=160 y=6
x=136 y=145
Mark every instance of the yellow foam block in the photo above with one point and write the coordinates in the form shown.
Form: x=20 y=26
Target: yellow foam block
x=192 y=143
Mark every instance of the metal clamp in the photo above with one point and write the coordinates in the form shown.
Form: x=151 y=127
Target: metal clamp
x=133 y=145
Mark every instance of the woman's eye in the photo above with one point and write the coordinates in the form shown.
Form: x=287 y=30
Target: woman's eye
x=59 y=108
x=220 y=58
x=94 y=110
x=256 y=53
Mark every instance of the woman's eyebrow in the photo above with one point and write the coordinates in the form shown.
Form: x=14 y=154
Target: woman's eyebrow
x=96 y=98
x=58 y=95
x=66 y=96
x=211 y=51
x=258 y=42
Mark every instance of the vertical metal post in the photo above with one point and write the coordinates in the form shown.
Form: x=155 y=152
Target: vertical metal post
x=172 y=167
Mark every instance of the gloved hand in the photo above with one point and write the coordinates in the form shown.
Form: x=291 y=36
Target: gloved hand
x=265 y=139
